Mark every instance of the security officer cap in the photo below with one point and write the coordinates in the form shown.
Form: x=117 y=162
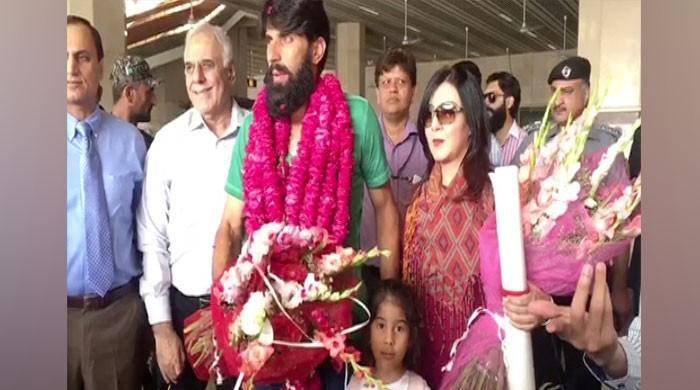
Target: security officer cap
x=572 y=68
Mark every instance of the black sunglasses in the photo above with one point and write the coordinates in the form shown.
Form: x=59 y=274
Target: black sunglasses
x=492 y=96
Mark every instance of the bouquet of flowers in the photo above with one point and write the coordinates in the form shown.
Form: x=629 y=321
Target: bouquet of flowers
x=576 y=208
x=280 y=310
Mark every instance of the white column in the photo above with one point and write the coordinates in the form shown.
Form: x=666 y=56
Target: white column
x=609 y=35
x=350 y=57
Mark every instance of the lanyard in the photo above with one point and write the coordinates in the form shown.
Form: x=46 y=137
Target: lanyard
x=397 y=175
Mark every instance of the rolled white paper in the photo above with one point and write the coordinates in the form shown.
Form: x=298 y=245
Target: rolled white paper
x=517 y=343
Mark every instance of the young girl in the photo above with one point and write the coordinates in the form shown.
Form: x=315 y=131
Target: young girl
x=393 y=339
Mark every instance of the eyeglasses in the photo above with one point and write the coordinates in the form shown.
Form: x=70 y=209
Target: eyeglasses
x=446 y=113
x=387 y=83
x=491 y=97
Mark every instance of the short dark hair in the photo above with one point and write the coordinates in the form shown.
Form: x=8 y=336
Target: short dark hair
x=304 y=17
x=472 y=68
x=72 y=19
x=400 y=294
x=510 y=86
x=476 y=164
x=396 y=56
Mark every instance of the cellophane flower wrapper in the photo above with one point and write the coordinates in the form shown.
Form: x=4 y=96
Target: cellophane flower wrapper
x=553 y=262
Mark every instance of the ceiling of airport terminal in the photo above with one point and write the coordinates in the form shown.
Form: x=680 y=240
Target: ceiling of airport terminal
x=436 y=28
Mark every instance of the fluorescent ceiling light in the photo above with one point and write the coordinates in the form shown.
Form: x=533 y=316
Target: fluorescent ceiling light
x=505 y=17
x=166 y=12
x=532 y=34
x=448 y=43
x=179 y=29
x=133 y=7
x=412 y=28
x=368 y=10
x=475 y=53
x=549 y=45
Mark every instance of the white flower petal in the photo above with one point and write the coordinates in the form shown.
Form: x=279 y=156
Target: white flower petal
x=266 y=334
x=253 y=314
x=556 y=209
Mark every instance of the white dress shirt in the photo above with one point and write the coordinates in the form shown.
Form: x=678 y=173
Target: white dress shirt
x=632 y=345
x=181 y=206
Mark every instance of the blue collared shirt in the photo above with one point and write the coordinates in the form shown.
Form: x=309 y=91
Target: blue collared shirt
x=122 y=153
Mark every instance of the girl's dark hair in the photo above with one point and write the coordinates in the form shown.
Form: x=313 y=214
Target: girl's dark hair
x=392 y=289
x=303 y=17
x=476 y=164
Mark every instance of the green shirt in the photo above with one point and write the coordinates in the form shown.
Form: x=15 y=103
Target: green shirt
x=370 y=165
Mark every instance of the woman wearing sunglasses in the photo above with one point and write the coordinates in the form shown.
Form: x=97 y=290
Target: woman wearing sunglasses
x=441 y=247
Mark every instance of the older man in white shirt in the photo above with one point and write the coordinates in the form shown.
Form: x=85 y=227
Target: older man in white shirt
x=183 y=199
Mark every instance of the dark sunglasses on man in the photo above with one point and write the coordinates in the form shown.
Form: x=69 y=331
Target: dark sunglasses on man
x=490 y=97
x=445 y=112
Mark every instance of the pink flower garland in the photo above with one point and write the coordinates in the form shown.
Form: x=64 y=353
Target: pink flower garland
x=315 y=190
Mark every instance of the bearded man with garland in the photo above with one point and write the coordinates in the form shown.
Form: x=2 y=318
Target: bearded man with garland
x=308 y=149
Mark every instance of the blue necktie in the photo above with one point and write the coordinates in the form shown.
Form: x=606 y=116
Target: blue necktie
x=98 y=236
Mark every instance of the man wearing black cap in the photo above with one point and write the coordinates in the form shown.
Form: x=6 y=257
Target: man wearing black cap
x=572 y=78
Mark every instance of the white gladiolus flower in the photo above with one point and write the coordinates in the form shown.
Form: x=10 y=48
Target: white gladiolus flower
x=590 y=203
x=331 y=263
x=233 y=279
x=267 y=334
x=313 y=288
x=253 y=315
x=548 y=184
x=289 y=293
x=263 y=239
x=568 y=192
x=556 y=209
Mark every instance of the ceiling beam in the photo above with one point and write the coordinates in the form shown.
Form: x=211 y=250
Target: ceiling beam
x=176 y=53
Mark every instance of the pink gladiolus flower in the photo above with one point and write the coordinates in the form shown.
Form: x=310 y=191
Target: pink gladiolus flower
x=633 y=227
x=604 y=224
x=335 y=345
x=330 y=263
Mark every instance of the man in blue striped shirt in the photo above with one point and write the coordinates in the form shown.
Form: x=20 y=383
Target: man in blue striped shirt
x=106 y=317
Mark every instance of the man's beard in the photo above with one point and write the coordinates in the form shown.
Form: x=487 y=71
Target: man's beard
x=143 y=116
x=284 y=99
x=496 y=118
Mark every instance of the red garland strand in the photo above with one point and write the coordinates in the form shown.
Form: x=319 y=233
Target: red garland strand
x=315 y=190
